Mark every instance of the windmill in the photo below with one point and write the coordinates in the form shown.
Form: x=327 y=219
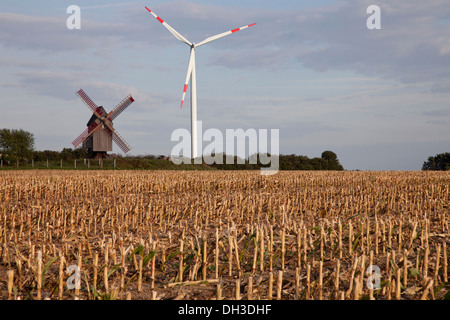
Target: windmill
x=98 y=137
x=191 y=74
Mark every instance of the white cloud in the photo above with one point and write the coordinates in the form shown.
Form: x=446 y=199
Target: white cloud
x=318 y=74
x=408 y=48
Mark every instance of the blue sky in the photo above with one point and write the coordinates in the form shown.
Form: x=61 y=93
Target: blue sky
x=312 y=69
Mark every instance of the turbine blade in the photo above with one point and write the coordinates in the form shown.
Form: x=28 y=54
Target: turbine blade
x=207 y=40
x=175 y=33
x=188 y=76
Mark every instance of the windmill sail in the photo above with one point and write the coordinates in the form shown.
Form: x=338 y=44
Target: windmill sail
x=91 y=104
x=86 y=133
x=118 y=139
x=100 y=125
x=125 y=103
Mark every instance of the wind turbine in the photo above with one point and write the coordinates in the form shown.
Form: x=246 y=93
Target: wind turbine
x=191 y=74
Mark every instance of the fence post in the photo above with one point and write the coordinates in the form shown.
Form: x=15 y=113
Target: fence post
x=32 y=163
x=114 y=163
x=1 y=165
x=61 y=163
x=17 y=163
x=75 y=163
x=47 y=163
x=89 y=162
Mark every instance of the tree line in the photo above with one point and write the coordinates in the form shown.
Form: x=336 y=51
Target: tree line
x=327 y=161
x=18 y=145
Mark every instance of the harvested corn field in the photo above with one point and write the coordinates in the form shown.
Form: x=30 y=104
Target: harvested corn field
x=224 y=235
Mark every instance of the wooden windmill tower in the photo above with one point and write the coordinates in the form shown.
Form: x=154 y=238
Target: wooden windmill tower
x=100 y=132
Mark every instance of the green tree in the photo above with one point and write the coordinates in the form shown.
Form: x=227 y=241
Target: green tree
x=46 y=155
x=79 y=153
x=331 y=161
x=328 y=161
x=17 y=144
x=66 y=154
x=440 y=162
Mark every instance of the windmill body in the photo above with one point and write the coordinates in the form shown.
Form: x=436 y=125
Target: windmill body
x=100 y=142
x=98 y=137
x=191 y=74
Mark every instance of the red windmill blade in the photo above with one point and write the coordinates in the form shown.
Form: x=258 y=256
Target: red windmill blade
x=125 y=103
x=118 y=139
x=86 y=133
x=89 y=103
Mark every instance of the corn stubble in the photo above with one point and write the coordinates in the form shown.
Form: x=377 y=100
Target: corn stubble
x=224 y=235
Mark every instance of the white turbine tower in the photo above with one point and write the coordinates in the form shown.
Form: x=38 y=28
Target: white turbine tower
x=191 y=74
